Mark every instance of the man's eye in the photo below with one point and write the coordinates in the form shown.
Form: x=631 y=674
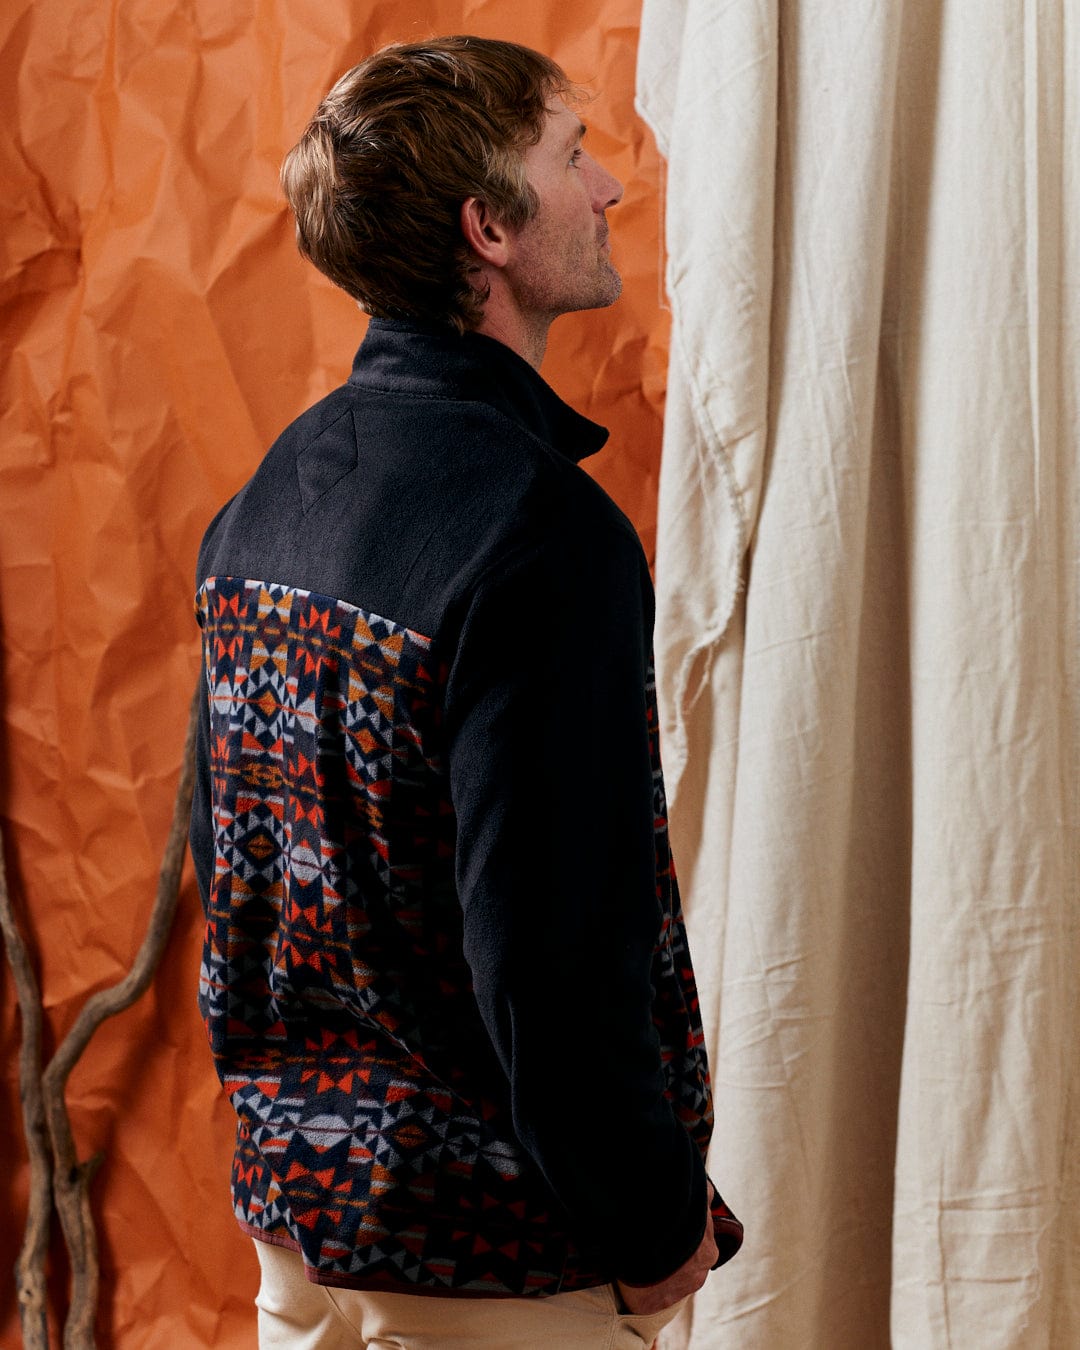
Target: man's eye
x=576 y=155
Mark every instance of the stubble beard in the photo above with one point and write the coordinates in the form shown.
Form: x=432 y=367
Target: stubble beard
x=613 y=278
x=603 y=289
x=588 y=281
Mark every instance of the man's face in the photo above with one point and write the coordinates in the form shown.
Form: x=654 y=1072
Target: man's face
x=561 y=260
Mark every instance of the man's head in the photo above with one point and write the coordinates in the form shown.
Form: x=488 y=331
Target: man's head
x=410 y=142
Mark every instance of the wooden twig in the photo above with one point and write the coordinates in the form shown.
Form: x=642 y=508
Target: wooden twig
x=71 y=1179
x=30 y=1267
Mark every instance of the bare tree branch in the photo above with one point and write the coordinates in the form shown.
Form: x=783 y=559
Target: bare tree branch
x=30 y=1267
x=72 y=1178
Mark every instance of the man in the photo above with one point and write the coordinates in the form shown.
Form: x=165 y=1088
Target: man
x=445 y=980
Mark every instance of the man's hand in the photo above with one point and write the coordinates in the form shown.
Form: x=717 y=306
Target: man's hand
x=688 y=1279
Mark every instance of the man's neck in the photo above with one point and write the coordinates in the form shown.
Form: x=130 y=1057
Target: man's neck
x=526 y=335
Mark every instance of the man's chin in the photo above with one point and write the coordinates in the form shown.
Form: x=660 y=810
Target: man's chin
x=605 y=291
x=610 y=286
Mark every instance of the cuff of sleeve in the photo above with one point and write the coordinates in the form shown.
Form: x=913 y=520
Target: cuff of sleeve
x=727 y=1230
x=650 y=1264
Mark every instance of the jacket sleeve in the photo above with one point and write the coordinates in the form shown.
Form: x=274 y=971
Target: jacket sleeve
x=552 y=786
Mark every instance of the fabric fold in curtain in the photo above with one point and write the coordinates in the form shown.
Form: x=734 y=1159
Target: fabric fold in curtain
x=867 y=651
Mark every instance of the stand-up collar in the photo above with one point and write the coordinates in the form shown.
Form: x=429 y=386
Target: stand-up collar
x=434 y=361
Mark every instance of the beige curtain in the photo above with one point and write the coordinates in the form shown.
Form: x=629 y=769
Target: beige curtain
x=868 y=654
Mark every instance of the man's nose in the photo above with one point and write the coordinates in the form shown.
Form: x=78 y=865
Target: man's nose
x=606 y=188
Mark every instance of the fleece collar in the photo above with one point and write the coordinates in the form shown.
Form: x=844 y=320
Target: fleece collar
x=434 y=361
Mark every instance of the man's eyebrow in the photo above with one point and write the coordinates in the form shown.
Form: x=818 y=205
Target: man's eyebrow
x=578 y=134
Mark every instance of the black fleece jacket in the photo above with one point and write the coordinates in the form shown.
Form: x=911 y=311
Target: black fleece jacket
x=446 y=980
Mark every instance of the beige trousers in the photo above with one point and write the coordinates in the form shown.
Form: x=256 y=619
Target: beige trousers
x=295 y=1314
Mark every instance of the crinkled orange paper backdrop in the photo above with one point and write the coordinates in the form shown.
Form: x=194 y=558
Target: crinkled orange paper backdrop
x=160 y=330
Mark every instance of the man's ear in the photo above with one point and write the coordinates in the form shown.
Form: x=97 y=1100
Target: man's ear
x=487 y=237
